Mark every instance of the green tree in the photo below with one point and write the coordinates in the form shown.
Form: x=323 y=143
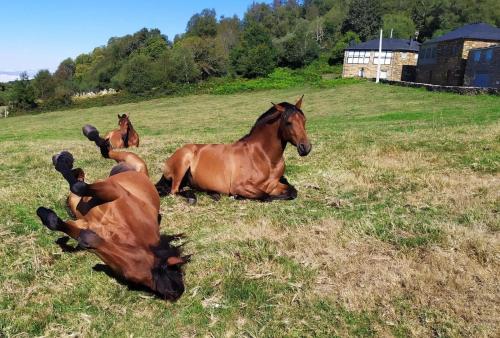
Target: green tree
x=23 y=94
x=364 y=18
x=255 y=55
x=402 y=25
x=137 y=75
x=298 y=48
x=44 y=84
x=337 y=54
x=202 y=24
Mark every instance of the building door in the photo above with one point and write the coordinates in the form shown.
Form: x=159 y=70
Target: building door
x=481 y=80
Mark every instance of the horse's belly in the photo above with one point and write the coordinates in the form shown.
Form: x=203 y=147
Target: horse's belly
x=211 y=170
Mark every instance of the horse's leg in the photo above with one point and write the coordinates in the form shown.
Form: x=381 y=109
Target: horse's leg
x=106 y=191
x=214 y=195
x=77 y=230
x=130 y=159
x=176 y=175
x=283 y=191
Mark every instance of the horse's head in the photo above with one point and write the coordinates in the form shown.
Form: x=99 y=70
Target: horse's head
x=167 y=273
x=123 y=122
x=293 y=126
x=159 y=268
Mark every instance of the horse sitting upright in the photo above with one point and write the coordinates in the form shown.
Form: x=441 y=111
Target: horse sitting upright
x=125 y=136
x=118 y=219
x=252 y=167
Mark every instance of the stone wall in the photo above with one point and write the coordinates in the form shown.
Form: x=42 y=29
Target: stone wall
x=447 y=67
x=399 y=69
x=489 y=69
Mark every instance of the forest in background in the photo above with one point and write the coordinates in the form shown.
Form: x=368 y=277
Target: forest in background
x=281 y=36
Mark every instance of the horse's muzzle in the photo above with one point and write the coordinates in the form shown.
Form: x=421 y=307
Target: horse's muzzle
x=304 y=148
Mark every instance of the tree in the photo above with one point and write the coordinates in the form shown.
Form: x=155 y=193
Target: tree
x=298 y=48
x=202 y=24
x=403 y=26
x=23 y=94
x=364 y=18
x=255 y=55
x=44 y=84
x=137 y=75
x=65 y=71
x=337 y=55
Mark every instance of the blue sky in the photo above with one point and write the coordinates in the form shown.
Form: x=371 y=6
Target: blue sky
x=39 y=34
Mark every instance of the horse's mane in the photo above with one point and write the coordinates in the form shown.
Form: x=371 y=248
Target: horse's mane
x=272 y=115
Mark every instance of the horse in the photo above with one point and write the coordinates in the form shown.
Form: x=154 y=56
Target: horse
x=118 y=219
x=125 y=136
x=251 y=168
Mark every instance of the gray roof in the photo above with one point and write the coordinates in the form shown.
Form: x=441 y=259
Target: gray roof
x=475 y=31
x=388 y=44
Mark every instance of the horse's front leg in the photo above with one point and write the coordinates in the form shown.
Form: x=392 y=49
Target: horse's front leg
x=283 y=190
x=75 y=229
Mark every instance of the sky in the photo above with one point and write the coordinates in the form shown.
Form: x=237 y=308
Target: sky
x=40 y=34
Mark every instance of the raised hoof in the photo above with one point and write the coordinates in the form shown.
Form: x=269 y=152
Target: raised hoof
x=63 y=161
x=90 y=132
x=48 y=218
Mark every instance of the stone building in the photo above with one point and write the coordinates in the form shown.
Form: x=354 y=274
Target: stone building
x=442 y=60
x=397 y=62
x=483 y=67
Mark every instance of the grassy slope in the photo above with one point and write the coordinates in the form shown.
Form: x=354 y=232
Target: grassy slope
x=395 y=230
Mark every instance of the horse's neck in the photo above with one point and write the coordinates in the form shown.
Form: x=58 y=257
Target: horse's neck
x=268 y=138
x=126 y=134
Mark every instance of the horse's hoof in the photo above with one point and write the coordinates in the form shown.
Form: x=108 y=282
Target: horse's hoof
x=63 y=161
x=48 y=218
x=191 y=200
x=90 y=132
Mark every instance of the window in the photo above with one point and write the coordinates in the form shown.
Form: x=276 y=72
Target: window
x=358 y=57
x=385 y=58
x=477 y=55
x=404 y=56
x=488 y=55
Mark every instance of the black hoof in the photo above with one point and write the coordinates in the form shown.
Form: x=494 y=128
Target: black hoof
x=90 y=132
x=63 y=161
x=48 y=218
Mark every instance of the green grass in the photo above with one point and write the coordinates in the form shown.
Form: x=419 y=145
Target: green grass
x=395 y=230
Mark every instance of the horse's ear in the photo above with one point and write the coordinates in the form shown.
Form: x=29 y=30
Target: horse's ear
x=175 y=261
x=119 y=116
x=299 y=102
x=279 y=108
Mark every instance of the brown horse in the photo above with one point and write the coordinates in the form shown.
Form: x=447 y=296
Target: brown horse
x=118 y=219
x=252 y=167
x=125 y=136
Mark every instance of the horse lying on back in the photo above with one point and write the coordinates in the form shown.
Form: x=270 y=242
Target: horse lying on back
x=118 y=219
x=125 y=136
x=252 y=167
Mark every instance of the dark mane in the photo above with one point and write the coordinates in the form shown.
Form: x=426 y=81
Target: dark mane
x=272 y=115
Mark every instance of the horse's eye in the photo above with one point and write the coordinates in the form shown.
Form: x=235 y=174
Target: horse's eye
x=288 y=123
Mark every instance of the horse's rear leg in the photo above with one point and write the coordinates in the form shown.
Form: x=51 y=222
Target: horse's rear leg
x=128 y=158
x=106 y=191
x=75 y=229
x=176 y=175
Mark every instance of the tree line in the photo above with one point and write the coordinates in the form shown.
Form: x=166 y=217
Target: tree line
x=284 y=33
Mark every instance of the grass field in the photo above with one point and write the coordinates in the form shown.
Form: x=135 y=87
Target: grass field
x=395 y=231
